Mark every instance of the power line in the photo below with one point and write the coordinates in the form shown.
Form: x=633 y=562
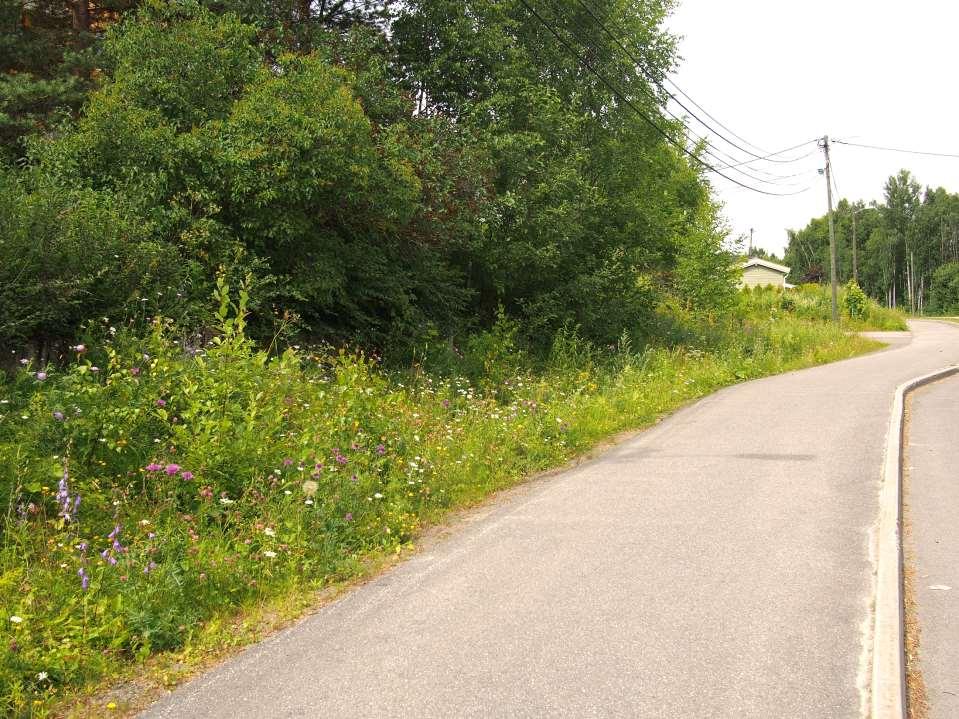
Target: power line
x=640 y=66
x=895 y=149
x=727 y=161
x=642 y=114
x=780 y=152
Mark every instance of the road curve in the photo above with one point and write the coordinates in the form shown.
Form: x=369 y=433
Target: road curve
x=715 y=566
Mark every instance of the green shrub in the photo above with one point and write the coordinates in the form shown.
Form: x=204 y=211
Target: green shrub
x=944 y=289
x=854 y=301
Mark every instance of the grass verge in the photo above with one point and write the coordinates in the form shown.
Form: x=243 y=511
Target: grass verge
x=166 y=504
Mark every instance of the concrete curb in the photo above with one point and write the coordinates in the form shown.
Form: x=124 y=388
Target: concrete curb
x=888 y=688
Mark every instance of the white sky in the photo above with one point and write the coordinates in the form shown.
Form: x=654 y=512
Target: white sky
x=778 y=73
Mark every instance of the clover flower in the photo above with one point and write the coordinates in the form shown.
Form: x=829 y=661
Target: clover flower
x=161 y=402
x=58 y=415
x=172 y=469
x=187 y=476
x=153 y=467
x=41 y=376
x=381 y=449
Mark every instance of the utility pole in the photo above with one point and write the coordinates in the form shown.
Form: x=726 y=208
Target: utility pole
x=750 y=241
x=855 y=259
x=824 y=144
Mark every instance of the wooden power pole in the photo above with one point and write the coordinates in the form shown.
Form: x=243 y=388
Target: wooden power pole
x=855 y=258
x=832 y=233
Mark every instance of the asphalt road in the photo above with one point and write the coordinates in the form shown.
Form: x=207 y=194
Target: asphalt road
x=714 y=566
x=933 y=499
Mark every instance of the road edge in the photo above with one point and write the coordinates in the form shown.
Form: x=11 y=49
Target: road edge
x=888 y=686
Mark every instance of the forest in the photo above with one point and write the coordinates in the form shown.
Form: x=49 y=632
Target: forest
x=905 y=252
x=386 y=174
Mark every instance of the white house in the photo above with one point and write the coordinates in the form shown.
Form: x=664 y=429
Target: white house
x=759 y=273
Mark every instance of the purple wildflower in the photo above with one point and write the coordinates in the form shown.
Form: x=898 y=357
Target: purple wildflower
x=172 y=469
x=349 y=517
x=63 y=497
x=446 y=404
x=161 y=402
x=114 y=533
x=380 y=449
x=79 y=348
x=58 y=415
x=354 y=478
x=135 y=371
x=287 y=462
x=84 y=579
x=187 y=476
x=41 y=376
x=153 y=467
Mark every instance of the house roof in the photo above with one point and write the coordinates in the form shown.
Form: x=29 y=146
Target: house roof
x=759 y=262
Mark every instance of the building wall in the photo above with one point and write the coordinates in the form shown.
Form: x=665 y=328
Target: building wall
x=759 y=276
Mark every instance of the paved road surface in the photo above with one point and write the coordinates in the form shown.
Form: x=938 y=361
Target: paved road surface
x=933 y=498
x=715 y=566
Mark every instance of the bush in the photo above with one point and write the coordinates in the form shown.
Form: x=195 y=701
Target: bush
x=68 y=255
x=944 y=289
x=854 y=301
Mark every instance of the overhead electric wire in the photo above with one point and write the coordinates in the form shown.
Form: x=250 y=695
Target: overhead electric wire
x=640 y=66
x=896 y=149
x=723 y=159
x=618 y=93
x=812 y=152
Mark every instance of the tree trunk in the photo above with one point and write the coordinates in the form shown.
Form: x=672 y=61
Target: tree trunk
x=81 y=15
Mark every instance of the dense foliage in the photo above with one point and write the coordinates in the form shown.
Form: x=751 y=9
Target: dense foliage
x=905 y=246
x=391 y=175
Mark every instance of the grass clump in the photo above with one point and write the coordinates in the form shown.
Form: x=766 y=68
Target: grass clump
x=151 y=488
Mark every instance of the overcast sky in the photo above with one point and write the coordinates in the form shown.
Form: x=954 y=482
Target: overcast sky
x=779 y=73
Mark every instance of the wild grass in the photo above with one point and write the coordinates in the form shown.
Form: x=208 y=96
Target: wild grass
x=813 y=302
x=152 y=490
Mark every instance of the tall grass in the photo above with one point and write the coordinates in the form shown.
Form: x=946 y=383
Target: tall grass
x=151 y=490
x=813 y=302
